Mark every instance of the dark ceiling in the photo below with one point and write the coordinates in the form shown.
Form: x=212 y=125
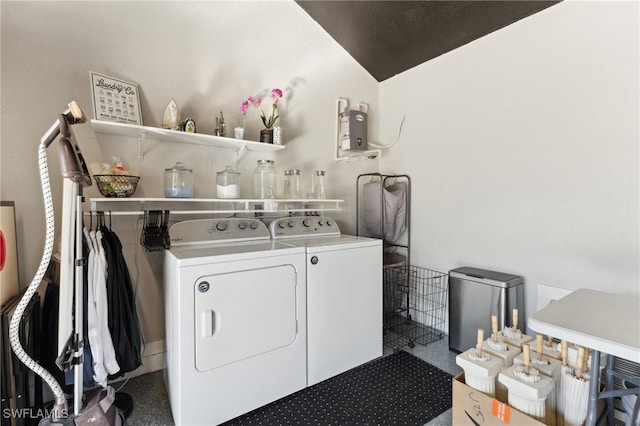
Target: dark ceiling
x=389 y=37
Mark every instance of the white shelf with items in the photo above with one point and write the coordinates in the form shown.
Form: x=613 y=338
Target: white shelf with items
x=143 y=132
x=137 y=206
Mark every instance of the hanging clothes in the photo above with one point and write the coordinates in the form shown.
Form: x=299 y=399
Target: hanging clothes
x=50 y=322
x=122 y=315
x=99 y=337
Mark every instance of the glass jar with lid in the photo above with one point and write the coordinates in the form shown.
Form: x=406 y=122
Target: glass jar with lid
x=228 y=183
x=286 y=185
x=318 y=185
x=264 y=182
x=178 y=182
x=296 y=189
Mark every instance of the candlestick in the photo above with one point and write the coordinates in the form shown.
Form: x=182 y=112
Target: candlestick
x=539 y=345
x=494 y=327
x=526 y=355
x=579 y=362
x=515 y=318
x=563 y=351
x=480 y=340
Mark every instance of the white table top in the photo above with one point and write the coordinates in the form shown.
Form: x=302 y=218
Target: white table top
x=606 y=322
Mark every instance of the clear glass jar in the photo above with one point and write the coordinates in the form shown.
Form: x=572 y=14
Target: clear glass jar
x=264 y=182
x=319 y=188
x=178 y=182
x=295 y=184
x=228 y=183
x=286 y=185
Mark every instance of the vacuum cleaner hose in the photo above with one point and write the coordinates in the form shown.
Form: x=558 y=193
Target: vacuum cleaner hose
x=60 y=408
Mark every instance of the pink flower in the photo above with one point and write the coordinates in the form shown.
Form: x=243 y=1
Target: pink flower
x=276 y=94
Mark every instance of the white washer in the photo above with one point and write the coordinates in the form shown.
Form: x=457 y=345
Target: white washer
x=235 y=319
x=344 y=294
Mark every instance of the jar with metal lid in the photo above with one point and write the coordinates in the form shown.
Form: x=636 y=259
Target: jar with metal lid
x=295 y=184
x=286 y=185
x=264 y=182
x=228 y=183
x=178 y=182
x=318 y=185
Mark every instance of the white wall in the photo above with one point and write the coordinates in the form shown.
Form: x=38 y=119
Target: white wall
x=208 y=56
x=523 y=150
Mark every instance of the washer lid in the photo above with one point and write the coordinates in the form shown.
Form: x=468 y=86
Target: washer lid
x=330 y=243
x=216 y=252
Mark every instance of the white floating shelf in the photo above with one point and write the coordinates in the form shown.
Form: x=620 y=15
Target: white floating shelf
x=135 y=206
x=156 y=133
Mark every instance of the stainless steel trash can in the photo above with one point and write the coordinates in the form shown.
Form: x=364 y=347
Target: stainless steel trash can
x=475 y=295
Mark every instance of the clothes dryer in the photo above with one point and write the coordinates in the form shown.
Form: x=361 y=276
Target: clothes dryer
x=344 y=294
x=235 y=319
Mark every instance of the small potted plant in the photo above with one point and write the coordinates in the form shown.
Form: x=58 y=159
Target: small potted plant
x=266 y=134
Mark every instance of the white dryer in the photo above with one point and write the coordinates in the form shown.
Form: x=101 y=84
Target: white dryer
x=344 y=294
x=235 y=319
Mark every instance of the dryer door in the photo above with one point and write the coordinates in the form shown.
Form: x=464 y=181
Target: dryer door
x=243 y=314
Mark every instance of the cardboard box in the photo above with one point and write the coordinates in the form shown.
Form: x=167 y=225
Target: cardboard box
x=473 y=408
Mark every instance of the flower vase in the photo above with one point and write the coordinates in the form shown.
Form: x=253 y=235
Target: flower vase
x=266 y=135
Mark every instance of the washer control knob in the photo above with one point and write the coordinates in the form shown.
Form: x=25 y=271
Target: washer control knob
x=321 y=222
x=253 y=225
x=329 y=222
x=242 y=225
x=306 y=223
x=291 y=224
x=221 y=226
x=281 y=225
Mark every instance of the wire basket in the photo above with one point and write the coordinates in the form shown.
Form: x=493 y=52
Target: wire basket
x=117 y=186
x=415 y=301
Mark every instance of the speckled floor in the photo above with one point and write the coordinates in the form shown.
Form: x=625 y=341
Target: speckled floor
x=152 y=406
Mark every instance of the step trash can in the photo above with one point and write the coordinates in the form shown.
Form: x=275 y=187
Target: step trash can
x=476 y=294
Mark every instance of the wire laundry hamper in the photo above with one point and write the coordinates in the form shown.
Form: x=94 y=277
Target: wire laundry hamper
x=414 y=303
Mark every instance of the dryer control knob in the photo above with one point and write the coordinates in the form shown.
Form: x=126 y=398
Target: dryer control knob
x=253 y=225
x=321 y=222
x=242 y=225
x=329 y=222
x=306 y=223
x=221 y=226
x=282 y=225
x=291 y=224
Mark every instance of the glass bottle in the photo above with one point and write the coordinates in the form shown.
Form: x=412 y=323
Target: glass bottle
x=286 y=187
x=319 y=185
x=178 y=182
x=295 y=184
x=264 y=182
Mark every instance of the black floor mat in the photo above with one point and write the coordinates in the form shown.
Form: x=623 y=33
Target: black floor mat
x=398 y=389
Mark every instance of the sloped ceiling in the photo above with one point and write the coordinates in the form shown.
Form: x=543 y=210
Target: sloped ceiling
x=389 y=37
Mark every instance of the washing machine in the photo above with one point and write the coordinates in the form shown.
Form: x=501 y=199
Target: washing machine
x=235 y=319
x=344 y=294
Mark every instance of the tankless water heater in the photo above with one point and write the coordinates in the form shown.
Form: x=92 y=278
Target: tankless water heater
x=352 y=126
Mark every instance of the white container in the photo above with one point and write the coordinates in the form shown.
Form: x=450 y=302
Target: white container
x=480 y=372
x=527 y=396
